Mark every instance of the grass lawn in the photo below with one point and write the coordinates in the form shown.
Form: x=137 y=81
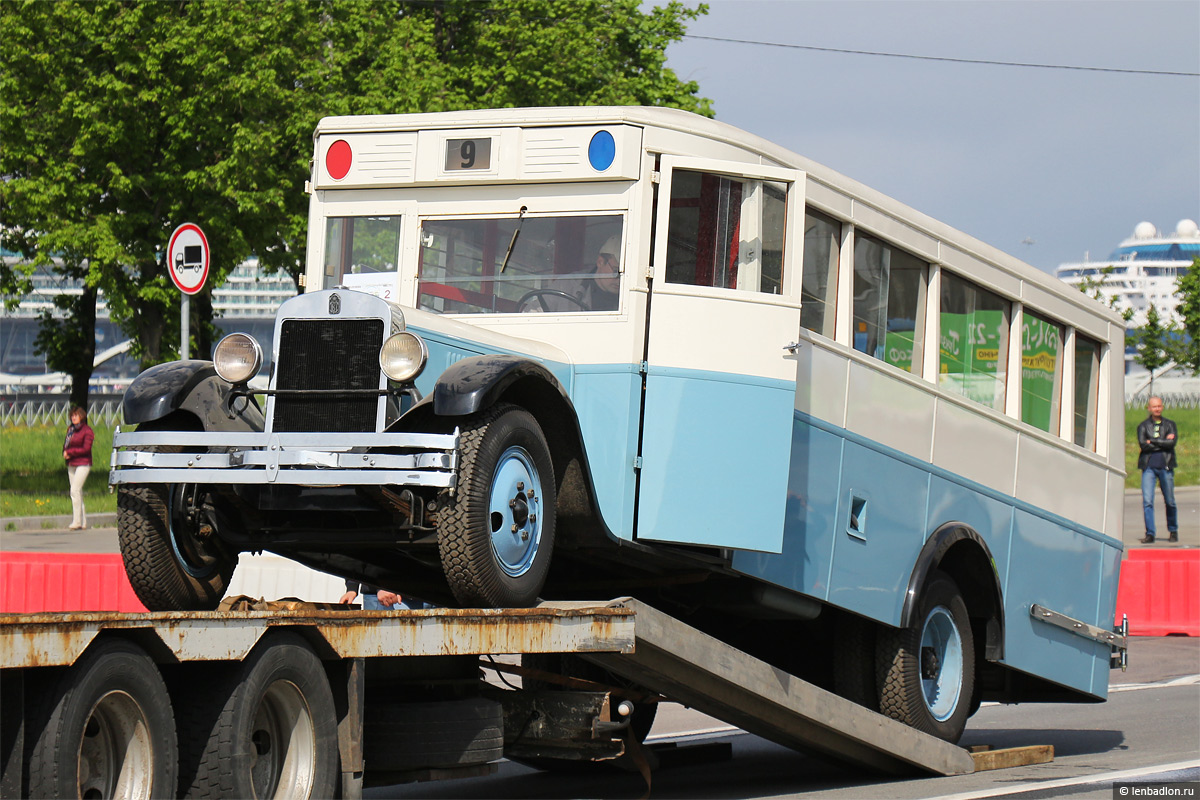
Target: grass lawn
x=1187 y=452
x=33 y=475
x=33 y=480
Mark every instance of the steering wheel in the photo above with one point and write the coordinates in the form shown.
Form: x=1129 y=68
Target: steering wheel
x=542 y=294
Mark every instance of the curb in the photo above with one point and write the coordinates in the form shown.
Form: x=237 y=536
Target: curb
x=56 y=523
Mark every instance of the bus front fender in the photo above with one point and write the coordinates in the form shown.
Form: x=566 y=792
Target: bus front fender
x=191 y=386
x=476 y=383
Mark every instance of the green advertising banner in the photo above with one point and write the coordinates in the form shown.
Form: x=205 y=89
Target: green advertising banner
x=970 y=356
x=1039 y=362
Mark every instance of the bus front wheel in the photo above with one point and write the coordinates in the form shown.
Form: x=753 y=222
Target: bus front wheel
x=496 y=536
x=926 y=672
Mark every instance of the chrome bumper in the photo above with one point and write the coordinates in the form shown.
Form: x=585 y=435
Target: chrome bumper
x=303 y=459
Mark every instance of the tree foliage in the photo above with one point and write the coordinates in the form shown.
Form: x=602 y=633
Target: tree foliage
x=1185 y=348
x=1152 y=341
x=121 y=120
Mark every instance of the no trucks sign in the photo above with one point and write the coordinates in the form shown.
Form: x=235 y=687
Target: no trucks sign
x=187 y=258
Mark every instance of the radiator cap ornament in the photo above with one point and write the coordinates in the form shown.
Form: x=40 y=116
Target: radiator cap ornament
x=335 y=303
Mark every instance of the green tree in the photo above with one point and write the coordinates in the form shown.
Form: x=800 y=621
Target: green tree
x=1152 y=341
x=121 y=120
x=1185 y=348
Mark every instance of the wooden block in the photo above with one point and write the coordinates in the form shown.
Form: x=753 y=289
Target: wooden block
x=1013 y=757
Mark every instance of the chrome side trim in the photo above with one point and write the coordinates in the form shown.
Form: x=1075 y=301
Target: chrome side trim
x=1083 y=629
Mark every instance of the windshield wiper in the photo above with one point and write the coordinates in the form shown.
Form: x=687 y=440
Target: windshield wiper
x=513 y=241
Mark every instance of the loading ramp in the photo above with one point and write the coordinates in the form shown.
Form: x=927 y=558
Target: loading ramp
x=693 y=668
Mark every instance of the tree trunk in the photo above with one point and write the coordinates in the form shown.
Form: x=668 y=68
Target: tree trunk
x=81 y=375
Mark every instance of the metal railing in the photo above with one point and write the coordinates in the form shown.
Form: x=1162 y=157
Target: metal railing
x=54 y=412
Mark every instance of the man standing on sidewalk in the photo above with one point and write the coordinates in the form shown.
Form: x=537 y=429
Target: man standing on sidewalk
x=1156 y=438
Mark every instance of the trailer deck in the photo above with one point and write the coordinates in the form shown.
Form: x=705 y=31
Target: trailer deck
x=624 y=636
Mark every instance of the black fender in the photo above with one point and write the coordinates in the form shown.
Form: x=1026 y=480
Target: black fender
x=475 y=383
x=979 y=584
x=191 y=386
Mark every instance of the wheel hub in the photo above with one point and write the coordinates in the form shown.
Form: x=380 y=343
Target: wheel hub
x=941 y=663
x=514 y=506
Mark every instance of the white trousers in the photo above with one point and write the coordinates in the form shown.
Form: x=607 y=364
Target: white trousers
x=77 y=476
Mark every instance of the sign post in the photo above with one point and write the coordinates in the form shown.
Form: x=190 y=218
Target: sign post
x=187 y=261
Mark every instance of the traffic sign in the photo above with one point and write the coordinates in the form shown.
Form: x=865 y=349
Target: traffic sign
x=187 y=258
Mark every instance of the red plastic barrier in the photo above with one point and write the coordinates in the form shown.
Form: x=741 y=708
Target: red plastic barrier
x=35 y=582
x=1160 y=591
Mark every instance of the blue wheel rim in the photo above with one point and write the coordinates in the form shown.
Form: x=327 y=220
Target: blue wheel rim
x=515 y=512
x=941 y=663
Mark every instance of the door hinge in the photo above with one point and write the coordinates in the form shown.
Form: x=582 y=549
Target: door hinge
x=649 y=273
x=643 y=368
x=655 y=176
x=637 y=462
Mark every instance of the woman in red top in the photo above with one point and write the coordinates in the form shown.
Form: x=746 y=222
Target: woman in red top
x=77 y=452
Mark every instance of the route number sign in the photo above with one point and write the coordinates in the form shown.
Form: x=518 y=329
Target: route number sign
x=188 y=258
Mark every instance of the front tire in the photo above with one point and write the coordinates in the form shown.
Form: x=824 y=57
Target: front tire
x=169 y=565
x=926 y=672
x=497 y=535
x=106 y=729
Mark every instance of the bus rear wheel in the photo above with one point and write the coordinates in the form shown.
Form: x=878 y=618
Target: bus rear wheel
x=926 y=672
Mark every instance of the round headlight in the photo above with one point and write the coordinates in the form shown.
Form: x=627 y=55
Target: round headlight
x=402 y=356
x=237 y=357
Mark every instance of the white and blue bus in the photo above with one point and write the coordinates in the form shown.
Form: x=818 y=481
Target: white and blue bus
x=579 y=352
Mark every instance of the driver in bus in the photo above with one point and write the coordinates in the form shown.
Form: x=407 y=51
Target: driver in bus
x=595 y=292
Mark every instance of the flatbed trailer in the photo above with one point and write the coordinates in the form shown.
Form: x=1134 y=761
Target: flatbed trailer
x=305 y=700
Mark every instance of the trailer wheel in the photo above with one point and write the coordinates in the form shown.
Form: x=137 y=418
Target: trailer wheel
x=173 y=564
x=926 y=672
x=854 y=662
x=399 y=736
x=497 y=535
x=106 y=729
x=270 y=731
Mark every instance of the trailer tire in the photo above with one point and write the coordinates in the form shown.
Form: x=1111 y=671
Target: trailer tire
x=105 y=729
x=169 y=568
x=399 y=736
x=926 y=672
x=496 y=536
x=854 y=662
x=269 y=729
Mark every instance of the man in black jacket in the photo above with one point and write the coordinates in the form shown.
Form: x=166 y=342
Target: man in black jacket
x=1156 y=438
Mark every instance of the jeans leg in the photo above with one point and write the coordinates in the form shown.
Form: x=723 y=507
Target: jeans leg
x=1166 y=480
x=1148 y=500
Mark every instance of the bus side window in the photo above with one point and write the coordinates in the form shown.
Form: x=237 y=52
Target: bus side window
x=889 y=303
x=726 y=232
x=818 y=289
x=973 y=353
x=1087 y=390
x=1041 y=371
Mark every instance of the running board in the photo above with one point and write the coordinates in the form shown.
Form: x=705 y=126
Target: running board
x=710 y=676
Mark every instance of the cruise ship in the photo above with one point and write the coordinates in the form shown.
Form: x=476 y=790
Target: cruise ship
x=1142 y=270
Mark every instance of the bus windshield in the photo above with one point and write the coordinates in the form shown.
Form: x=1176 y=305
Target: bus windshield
x=520 y=264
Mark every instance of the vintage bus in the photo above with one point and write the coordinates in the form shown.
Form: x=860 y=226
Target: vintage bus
x=588 y=352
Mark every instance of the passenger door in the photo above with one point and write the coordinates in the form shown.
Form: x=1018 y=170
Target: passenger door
x=720 y=381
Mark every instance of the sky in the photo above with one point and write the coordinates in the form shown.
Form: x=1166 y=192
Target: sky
x=1045 y=164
